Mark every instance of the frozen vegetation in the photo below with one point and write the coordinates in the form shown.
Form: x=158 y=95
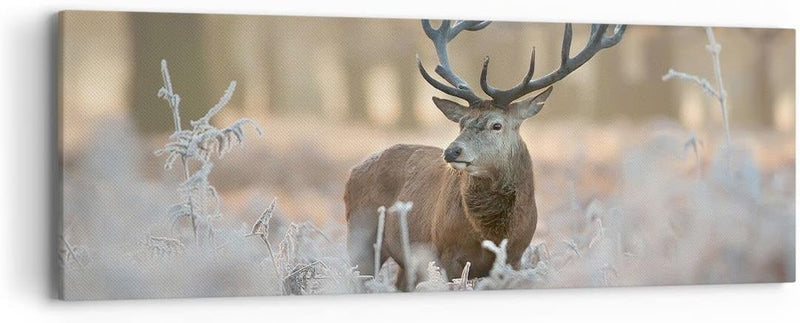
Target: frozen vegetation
x=670 y=206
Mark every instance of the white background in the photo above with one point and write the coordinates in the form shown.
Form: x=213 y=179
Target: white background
x=26 y=92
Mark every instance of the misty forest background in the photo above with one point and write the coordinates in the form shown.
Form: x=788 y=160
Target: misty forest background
x=348 y=69
x=610 y=142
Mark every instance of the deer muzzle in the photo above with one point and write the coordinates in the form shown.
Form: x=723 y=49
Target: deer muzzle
x=452 y=153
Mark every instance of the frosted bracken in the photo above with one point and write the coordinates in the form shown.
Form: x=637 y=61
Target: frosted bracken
x=201 y=201
x=674 y=213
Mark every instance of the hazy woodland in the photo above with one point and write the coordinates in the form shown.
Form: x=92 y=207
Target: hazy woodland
x=634 y=183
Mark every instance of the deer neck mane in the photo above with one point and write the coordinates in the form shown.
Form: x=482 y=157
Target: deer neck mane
x=490 y=201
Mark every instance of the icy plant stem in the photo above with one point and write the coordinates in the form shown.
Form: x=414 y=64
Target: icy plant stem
x=465 y=276
x=265 y=218
x=191 y=202
x=271 y=254
x=174 y=104
x=718 y=93
x=379 y=241
x=261 y=229
x=402 y=210
x=715 y=48
x=406 y=251
x=272 y=258
x=174 y=100
x=693 y=142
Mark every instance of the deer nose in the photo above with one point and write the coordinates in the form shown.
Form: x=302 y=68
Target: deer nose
x=452 y=153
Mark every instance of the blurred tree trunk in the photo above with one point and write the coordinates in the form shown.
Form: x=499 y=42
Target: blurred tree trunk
x=761 y=114
x=611 y=82
x=608 y=84
x=408 y=115
x=646 y=100
x=178 y=39
x=219 y=47
x=355 y=65
x=665 y=97
x=403 y=62
x=271 y=60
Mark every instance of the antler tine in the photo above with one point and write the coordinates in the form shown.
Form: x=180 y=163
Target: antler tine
x=488 y=89
x=470 y=25
x=597 y=41
x=440 y=37
x=568 y=65
x=614 y=39
x=597 y=34
x=566 y=43
x=465 y=94
x=478 y=25
x=504 y=97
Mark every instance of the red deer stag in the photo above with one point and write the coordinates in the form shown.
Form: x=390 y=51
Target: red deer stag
x=479 y=188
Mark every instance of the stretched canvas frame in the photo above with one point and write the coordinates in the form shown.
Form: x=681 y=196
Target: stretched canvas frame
x=219 y=155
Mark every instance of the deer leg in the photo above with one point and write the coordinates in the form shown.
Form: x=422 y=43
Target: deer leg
x=451 y=266
x=402 y=283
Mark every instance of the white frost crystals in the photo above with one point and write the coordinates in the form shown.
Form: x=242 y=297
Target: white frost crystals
x=201 y=202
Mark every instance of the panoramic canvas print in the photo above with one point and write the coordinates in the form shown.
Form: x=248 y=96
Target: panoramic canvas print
x=223 y=155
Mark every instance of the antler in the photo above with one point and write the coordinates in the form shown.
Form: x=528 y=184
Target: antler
x=597 y=41
x=440 y=37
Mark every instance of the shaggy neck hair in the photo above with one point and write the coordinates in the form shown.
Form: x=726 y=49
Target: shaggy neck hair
x=490 y=200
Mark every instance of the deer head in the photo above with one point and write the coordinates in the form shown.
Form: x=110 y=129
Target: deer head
x=490 y=127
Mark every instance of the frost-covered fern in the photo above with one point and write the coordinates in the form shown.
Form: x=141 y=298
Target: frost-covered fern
x=200 y=201
x=503 y=276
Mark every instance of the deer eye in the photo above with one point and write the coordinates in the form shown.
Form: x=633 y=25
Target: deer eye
x=497 y=126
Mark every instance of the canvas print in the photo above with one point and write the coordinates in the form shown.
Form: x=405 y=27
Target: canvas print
x=223 y=155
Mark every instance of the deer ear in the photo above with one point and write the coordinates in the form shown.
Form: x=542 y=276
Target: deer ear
x=530 y=107
x=451 y=110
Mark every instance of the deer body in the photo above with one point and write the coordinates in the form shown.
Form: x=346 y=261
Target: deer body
x=481 y=187
x=453 y=211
